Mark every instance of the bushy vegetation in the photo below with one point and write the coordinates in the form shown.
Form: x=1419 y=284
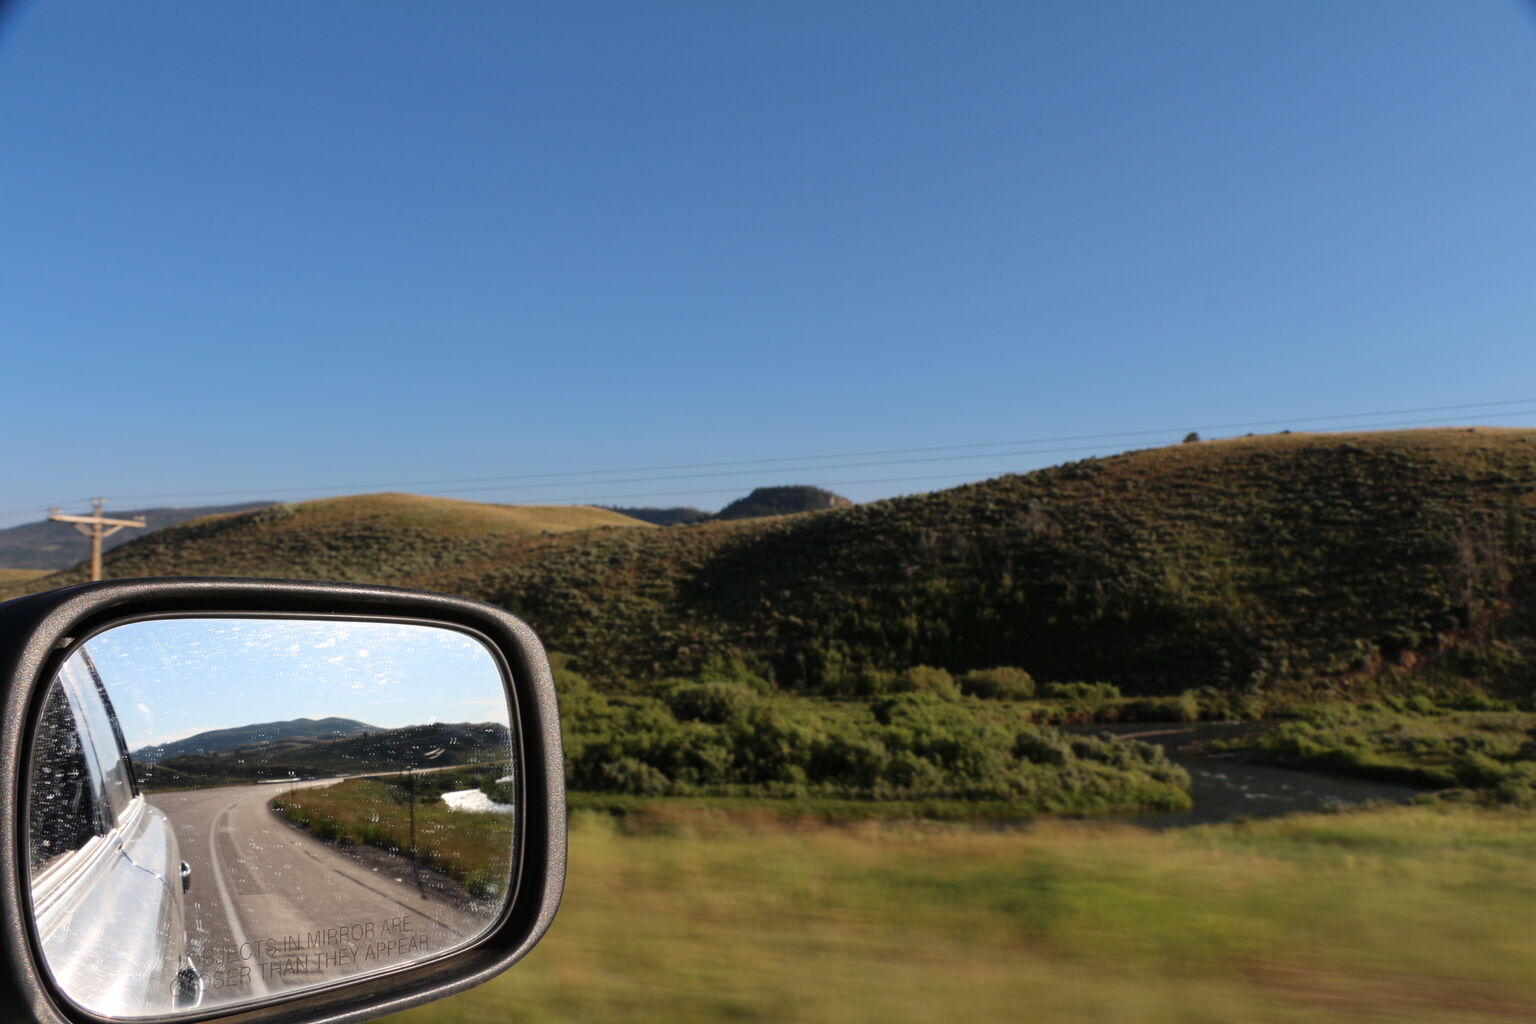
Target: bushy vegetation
x=726 y=738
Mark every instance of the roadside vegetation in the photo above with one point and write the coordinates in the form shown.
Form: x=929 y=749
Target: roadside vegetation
x=1415 y=915
x=474 y=850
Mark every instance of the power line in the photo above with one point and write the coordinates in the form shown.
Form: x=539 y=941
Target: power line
x=791 y=464
x=802 y=469
x=839 y=465
x=737 y=490
x=586 y=499
x=589 y=498
x=1175 y=430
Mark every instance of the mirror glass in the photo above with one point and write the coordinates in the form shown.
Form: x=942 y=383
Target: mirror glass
x=223 y=810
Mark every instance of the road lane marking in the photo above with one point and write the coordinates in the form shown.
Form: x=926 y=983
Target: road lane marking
x=258 y=985
x=245 y=880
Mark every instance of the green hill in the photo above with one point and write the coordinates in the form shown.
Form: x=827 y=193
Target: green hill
x=1274 y=561
x=1263 y=561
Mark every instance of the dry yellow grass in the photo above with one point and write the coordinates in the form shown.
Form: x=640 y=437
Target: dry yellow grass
x=452 y=517
x=375 y=538
x=1410 y=915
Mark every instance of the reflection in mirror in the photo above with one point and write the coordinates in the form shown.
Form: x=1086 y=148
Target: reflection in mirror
x=223 y=810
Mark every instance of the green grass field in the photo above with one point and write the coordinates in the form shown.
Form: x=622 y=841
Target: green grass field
x=1408 y=914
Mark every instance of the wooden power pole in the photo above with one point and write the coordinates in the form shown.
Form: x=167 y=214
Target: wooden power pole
x=92 y=526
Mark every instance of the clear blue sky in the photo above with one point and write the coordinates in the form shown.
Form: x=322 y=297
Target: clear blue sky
x=289 y=249
x=173 y=678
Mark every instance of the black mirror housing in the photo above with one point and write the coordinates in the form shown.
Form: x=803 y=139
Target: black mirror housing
x=38 y=632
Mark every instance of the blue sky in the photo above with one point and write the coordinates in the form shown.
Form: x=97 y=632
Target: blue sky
x=173 y=678
x=292 y=249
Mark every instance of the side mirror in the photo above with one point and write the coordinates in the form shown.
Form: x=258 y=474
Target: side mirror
x=268 y=800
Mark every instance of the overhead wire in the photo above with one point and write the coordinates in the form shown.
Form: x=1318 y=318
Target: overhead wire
x=839 y=455
x=820 y=462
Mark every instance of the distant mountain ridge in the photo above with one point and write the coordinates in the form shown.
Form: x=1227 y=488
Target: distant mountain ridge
x=763 y=501
x=251 y=736
x=50 y=545
x=368 y=750
x=674 y=516
x=783 y=501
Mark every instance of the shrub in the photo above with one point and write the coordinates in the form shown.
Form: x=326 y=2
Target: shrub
x=1001 y=683
x=927 y=679
x=1183 y=708
x=717 y=702
x=1478 y=771
x=734 y=670
x=873 y=682
x=1094 y=692
x=1041 y=746
x=629 y=775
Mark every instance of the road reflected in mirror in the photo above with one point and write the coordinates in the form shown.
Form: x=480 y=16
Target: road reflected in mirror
x=222 y=810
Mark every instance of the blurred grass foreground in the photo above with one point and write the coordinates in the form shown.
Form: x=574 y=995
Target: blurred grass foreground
x=680 y=913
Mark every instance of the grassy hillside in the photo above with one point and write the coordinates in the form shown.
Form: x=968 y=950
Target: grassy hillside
x=1259 y=561
x=372 y=538
x=1285 y=560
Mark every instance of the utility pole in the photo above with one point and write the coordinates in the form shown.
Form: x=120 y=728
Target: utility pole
x=410 y=781
x=91 y=526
